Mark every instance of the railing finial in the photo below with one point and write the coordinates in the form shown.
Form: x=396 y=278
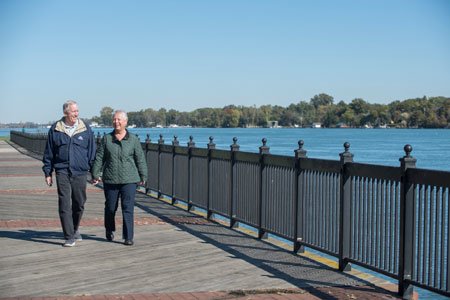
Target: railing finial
x=346 y=156
x=191 y=142
x=407 y=161
x=161 y=140
x=264 y=149
x=234 y=146
x=211 y=144
x=346 y=146
x=408 y=149
x=300 y=152
x=175 y=142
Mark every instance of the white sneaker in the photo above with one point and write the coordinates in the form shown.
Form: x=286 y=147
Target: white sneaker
x=69 y=243
x=77 y=236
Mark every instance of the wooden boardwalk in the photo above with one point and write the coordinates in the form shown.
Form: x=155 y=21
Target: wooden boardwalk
x=177 y=254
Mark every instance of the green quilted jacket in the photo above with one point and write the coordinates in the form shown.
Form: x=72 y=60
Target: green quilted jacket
x=120 y=162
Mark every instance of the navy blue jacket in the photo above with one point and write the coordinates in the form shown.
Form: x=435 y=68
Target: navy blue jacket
x=70 y=155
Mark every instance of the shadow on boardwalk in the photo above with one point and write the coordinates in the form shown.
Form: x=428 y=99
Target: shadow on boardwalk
x=177 y=255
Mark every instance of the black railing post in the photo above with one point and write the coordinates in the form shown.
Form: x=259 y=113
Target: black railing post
x=160 y=143
x=263 y=150
x=298 y=216
x=211 y=146
x=98 y=139
x=175 y=143
x=147 y=143
x=233 y=148
x=191 y=145
x=405 y=265
x=345 y=210
x=33 y=143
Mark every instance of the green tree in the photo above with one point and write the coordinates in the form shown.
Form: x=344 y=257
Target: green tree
x=349 y=117
x=161 y=117
x=106 y=114
x=137 y=118
x=359 y=106
x=307 y=113
x=172 y=117
x=150 y=117
x=433 y=112
x=230 y=117
x=321 y=99
x=330 y=117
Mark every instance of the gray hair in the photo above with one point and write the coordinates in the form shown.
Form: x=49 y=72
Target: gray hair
x=67 y=104
x=122 y=112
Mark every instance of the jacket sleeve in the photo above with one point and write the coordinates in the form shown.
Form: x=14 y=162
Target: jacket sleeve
x=139 y=158
x=92 y=149
x=97 y=167
x=48 y=154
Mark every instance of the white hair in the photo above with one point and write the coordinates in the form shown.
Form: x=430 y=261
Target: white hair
x=67 y=105
x=122 y=112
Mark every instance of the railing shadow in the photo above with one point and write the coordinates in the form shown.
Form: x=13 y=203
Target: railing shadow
x=299 y=271
x=40 y=236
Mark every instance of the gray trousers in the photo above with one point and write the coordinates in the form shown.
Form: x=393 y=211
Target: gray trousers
x=71 y=199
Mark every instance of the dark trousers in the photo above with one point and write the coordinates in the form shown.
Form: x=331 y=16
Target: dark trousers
x=71 y=200
x=127 y=193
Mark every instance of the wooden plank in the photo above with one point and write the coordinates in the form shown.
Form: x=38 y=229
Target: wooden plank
x=178 y=256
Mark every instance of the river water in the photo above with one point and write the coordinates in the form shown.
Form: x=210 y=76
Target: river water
x=431 y=147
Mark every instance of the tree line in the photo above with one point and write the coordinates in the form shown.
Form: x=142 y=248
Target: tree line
x=433 y=112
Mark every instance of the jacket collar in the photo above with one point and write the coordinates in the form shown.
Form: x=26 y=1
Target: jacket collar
x=60 y=126
x=127 y=135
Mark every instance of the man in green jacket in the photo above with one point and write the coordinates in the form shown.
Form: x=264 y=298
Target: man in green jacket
x=120 y=164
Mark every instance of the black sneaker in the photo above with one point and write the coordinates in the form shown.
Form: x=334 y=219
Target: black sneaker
x=110 y=236
x=128 y=243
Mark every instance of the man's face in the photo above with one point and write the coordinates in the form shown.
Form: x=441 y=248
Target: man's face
x=71 y=114
x=119 y=121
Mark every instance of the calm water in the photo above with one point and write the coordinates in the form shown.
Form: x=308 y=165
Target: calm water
x=431 y=147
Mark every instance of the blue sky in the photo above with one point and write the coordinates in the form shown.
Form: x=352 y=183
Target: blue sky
x=186 y=55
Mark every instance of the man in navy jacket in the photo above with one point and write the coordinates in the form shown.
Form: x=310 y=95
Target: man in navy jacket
x=70 y=152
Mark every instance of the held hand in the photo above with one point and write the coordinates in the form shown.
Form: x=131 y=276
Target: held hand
x=141 y=183
x=49 y=180
x=95 y=181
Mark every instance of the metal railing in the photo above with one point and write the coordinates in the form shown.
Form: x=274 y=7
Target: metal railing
x=34 y=142
x=392 y=220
